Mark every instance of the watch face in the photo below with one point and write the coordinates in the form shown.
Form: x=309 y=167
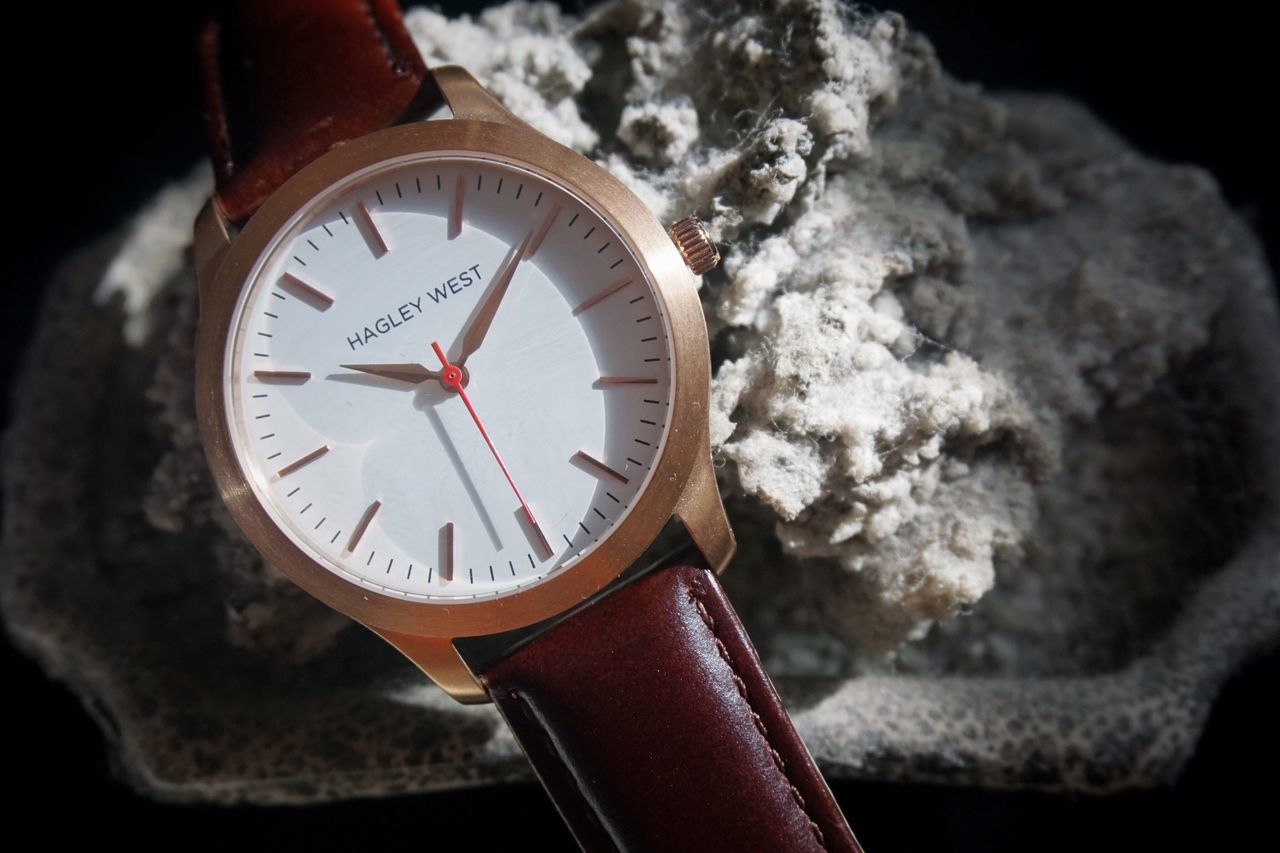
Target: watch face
x=447 y=378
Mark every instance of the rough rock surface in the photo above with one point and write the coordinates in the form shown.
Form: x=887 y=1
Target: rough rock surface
x=973 y=355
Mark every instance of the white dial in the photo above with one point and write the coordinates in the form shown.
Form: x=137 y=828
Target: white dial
x=448 y=378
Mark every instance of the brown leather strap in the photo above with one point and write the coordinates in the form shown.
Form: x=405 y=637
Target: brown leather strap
x=286 y=80
x=652 y=724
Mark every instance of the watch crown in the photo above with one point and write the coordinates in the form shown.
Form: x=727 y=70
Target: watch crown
x=690 y=237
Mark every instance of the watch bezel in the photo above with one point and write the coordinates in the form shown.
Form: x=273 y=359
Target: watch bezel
x=222 y=283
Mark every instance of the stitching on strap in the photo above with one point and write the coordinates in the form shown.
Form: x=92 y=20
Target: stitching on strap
x=218 y=108
x=696 y=597
x=394 y=62
x=554 y=750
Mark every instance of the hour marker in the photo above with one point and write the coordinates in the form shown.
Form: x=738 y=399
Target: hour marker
x=306 y=460
x=282 y=375
x=600 y=466
x=627 y=380
x=362 y=526
x=446 y=544
x=289 y=281
x=455 y=212
x=372 y=236
x=542 y=539
x=600 y=297
x=542 y=232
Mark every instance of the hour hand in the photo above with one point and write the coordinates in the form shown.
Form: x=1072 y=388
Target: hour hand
x=410 y=372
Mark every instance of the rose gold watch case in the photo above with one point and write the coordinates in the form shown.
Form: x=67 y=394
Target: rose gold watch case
x=683 y=482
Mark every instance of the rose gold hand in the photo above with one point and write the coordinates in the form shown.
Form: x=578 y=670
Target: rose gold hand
x=452 y=379
x=414 y=373
x=482 y=319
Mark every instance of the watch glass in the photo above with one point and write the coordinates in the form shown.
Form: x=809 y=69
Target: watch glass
x=448 y=378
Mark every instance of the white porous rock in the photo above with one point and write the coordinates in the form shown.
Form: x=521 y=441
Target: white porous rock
x=158 y=236
x=660 y=133
x=928 y=291
x=972 y=355
x=524 y=54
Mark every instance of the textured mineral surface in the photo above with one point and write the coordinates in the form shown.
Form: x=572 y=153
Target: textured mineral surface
x=990 y=406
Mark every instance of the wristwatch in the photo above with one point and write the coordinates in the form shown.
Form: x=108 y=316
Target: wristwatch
x=452 y=380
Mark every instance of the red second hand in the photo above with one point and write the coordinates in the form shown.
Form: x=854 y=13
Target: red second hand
x=451 y=377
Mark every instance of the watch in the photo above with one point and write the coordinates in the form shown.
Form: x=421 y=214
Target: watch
x=452 y=380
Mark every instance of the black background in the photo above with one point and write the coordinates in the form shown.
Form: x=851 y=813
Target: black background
x=121 y=98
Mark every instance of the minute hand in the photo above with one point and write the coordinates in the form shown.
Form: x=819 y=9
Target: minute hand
x=482 y=319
